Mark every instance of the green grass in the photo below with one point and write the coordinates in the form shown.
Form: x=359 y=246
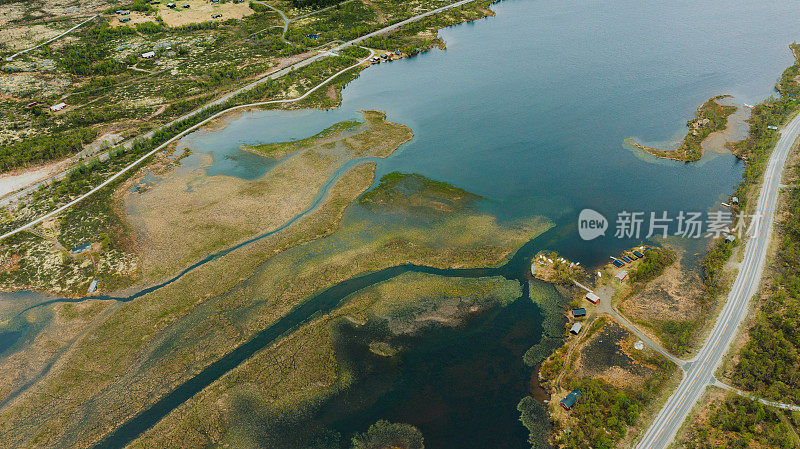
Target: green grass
x=283 y=148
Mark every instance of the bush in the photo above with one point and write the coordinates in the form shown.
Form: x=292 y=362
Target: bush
x=654 y=263
x=384 y=434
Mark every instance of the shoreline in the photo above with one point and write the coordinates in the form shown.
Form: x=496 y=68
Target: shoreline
x=711 y=117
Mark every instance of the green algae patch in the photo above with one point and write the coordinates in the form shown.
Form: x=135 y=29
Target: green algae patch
x=275 y=397
x=417 y=194
x=280 y=149
x=189 y=213
x=711 y=116
x=374 y=136
x=414 y=301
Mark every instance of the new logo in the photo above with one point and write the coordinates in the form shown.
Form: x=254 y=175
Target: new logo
x=591 y=224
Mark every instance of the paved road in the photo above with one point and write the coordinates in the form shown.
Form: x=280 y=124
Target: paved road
x=699 y=371
x=11 y=58
x=163 y=145
x=277 y=74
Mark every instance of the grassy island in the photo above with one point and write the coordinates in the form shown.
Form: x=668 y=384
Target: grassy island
x=548 y=266
x=417 y=194
x=711 y=116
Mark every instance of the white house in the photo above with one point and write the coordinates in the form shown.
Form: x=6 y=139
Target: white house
x=58 y=107
x=575 y=329
x=592 y=297
x=148 y=55
x=621 y=276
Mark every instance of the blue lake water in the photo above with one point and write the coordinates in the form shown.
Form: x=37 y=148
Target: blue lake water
x=530 y=110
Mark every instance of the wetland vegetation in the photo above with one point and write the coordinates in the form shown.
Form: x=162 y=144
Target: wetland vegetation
x=711 y=117
x=225 y=301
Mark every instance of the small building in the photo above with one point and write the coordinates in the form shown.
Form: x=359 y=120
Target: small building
x=618 y=263
x=58 y=107
x=772 y=127
x=626 y=259
x=171 y=5
x=82 y=248
x=638 y=254
x=148 y=54
x=93 y=286
x=575 y=329
x=569 y=401
x=32 y=104
x=592 y=297
x=730 y=238
x=577 y=313
x=621 y=276
x=735 y=200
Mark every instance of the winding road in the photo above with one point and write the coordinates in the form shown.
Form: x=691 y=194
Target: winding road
x=11 y=58
x=220 y=101
x=699 y=371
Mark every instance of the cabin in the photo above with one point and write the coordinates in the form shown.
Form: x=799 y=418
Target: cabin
x=58 y=107
x=621 y=276
x=575 y=329
x=148 y=54
x=592 y=297
x=626 y=259
x=81 y=248
x=638 y=254
x=735 y=200
x=569 y=401
x=171 y=5
x=730 y=238
x=618 y=263
x=578 y=313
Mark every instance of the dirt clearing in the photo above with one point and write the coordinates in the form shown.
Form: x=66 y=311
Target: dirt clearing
x=201 y=11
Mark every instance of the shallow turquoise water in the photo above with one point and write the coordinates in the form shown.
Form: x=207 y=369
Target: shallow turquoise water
x=529 y=109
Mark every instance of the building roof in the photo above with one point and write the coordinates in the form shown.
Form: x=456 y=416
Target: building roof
x=580 y=311
x=621 y=275
x=569 y=401
x=591 y=296
x=576 y=327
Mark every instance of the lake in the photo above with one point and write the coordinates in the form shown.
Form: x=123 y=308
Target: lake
x=530 y=109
